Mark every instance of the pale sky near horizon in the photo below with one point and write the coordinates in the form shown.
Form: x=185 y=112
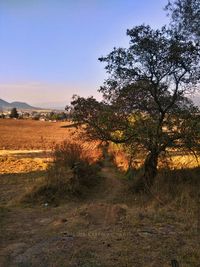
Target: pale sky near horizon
x=49 y=49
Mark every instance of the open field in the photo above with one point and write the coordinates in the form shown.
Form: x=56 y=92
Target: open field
x=30 y=134
x=110 y=227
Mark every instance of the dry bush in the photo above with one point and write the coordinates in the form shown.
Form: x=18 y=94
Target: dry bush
x=70 y=153
x=179 y=187
x=71 y=174
x=176 y=191
x=75 y=159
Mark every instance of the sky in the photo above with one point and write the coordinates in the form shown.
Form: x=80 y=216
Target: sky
x=49 y=49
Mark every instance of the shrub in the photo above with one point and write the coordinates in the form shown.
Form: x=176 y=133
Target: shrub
x=72 y=157
x=68 y=154
x=71 y=174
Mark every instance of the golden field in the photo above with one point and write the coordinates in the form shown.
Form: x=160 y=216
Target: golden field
x=26 y=145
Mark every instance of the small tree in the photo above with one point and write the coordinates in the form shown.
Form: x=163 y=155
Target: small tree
x=145 y=102
x=2 y=116
x=14 y=113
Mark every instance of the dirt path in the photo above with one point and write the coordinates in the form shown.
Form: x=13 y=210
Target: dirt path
x=113 y=186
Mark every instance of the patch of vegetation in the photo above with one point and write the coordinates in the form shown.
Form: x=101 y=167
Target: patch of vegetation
x=3 y=212
x=174 y=190
x=14 y=113
x=87 y=259
x=71 y=174
x=145 y=102
x=180 y=188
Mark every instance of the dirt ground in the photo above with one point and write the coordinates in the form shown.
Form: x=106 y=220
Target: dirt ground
x=31 y=134
x=112 y=227
x=107 y=229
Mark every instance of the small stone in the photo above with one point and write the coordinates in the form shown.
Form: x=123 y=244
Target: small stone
x=63 y=220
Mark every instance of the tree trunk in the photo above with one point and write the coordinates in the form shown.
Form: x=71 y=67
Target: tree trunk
x=150 y=168
x=150 y=171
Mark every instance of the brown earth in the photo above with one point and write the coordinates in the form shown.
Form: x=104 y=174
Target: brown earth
x=31 y=134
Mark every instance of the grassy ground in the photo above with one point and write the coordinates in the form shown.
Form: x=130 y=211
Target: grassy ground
x=111 y=227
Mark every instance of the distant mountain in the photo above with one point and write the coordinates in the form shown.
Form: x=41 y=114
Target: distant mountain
x=19 y=105
x=22 y=105
x=4 y=104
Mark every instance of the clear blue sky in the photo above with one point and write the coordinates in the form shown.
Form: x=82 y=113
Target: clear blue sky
x=49 y=49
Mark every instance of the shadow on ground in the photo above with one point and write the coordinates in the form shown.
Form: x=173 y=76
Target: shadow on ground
x=106 y=230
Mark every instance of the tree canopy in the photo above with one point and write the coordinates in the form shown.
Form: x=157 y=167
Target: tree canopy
x=145 y=103
x=185 y=16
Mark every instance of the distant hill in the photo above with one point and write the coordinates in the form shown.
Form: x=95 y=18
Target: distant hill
x=19 y=105
x=4 y=104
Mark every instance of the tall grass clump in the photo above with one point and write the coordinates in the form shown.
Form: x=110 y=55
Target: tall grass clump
x=71 y=174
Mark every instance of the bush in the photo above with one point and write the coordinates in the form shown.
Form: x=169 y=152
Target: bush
x=68 y=154
x=71 y=174
x=72 y=157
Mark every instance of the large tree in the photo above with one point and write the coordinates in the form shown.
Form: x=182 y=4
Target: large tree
x=145 y=102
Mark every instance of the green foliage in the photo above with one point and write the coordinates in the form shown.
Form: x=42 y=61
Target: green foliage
x=57 y=116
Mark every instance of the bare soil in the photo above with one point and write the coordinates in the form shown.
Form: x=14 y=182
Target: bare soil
x=31 y=134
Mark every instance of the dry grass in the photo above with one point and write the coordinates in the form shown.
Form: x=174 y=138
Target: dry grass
x=72 y=172
x=172 y=159
x=111 y=227
x=14 y=165
x=31 y=135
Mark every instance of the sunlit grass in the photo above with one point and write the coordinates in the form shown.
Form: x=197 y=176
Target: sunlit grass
x=22 y=165
x=171 y=160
